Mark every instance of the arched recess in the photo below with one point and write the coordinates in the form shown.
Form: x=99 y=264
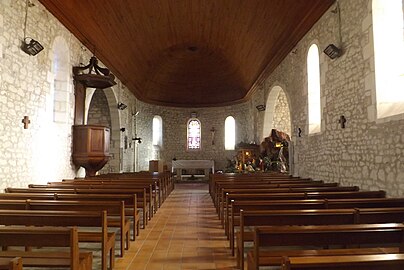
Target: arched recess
x=51 y=144
x=102 y=110
x=277 y=112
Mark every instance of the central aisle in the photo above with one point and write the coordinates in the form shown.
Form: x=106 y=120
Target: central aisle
x=184 y=234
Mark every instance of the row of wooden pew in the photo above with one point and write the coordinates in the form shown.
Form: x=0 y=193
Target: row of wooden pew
x=276 y=213
x=54 y=215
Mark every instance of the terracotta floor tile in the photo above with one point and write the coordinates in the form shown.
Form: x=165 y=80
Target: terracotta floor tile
x=185 y=233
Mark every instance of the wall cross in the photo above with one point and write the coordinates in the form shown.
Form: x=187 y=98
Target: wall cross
x=26 y=122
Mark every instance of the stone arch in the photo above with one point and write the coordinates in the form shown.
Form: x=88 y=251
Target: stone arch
x=277 y=107
x=112 y=120
x=51 y=143
x=60 y=84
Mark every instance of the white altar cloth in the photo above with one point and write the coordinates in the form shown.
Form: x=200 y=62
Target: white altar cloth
x=193 y=164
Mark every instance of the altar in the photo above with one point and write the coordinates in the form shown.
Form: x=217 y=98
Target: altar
x=206 y=165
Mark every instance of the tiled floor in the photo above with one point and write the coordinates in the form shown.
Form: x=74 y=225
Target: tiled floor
x=184 y=234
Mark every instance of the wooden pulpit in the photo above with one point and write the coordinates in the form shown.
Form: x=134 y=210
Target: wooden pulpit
x=91 y=147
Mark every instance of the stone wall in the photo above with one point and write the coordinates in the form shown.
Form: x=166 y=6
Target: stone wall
x=97 y=114
x=368 y=152
x=175 y=132
x=42 y=152
x=282 y=114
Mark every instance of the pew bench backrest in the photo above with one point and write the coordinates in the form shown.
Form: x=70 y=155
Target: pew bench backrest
x=351 y=262
x=11 y=263
x=320 y=236
x=67 y=218
x=43 y=237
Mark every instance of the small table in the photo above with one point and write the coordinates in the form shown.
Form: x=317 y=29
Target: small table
x=207 y=165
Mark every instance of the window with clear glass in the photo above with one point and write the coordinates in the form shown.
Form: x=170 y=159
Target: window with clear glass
x=194 y=134
x=388 y=33
x=229 y=133
x=313 y=85
x=157 y=130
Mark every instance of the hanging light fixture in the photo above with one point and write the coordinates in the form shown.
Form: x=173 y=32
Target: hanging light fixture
x=32 y=47
x=334 y=51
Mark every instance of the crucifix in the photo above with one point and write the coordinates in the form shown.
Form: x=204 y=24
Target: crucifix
x=26 y=122
x=212 y=131
x=342 y=121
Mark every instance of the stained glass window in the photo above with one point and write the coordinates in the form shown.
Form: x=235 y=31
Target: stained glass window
x=194 y=134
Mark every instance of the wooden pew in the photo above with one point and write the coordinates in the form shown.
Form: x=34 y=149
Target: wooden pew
x=11 y=263
x=115 y=211
x=237 y=186
x=292 y=189
x=219 y=193
x=213 y=178
x=151 y=186
x=251 y=183
x=165 y=180
x=251 y=219
x=92 y=194
x=68 y=218
x=236 y=206
x=160 y=184
x=348 y=262
x=45 y=237
x=289 y=238
x=142 y=194
x=129 y=200
x=298 y=196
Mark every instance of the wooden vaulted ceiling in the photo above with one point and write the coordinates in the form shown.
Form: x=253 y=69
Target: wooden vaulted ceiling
x=189 y=53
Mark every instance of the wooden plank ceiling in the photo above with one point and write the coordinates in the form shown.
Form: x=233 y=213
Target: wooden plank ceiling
x=189 y=53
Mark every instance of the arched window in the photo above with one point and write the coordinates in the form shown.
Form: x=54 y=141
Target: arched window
x=61 y=84
x=229 y=133
x=313 y=85
x=194 y=134
x=389 y=56
x=157 y=130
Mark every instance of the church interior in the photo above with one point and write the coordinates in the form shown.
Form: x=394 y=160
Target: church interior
x=202 y=134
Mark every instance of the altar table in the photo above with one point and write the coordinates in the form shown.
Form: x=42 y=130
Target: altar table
x=207 y=165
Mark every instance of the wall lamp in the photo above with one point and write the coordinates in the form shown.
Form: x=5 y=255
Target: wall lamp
x=32 y=48
x=260 y=108
x=332 y=51
x=122 y=106
x=138 y=139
